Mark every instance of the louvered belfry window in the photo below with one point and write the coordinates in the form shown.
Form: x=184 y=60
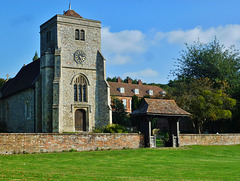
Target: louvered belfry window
x=82 y=35
x=80 y=89
x=77 y=34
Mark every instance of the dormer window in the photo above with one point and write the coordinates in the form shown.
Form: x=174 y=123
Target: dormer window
x=76 y=34
x=136 y=91
x=49 y=38
x=82 y=35
x=163 y=93
x=121 y=90
x=150 y=92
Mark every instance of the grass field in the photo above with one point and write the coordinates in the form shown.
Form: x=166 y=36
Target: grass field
x=187 y=163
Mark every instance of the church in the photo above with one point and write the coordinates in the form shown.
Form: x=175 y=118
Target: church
x=65 y=90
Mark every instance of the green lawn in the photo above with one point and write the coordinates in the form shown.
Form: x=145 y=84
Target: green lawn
x=187 y=163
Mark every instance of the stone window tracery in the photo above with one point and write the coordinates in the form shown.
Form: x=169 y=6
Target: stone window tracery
x=80 y=89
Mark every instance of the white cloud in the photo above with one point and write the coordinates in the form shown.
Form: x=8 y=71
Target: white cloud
x=227 y=35
x=119 y=47
x=141 y=74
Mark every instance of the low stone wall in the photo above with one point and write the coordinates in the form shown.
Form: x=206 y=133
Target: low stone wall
x=11 y=143
x=209 y=139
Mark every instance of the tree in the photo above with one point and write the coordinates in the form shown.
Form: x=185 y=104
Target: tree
x=2 y=82
x=35 y=56
x=210 y=60
x=211 y=106
x=205 y=101
x=114 y=79
x=119 y=116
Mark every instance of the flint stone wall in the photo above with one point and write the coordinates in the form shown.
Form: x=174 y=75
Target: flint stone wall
x=209 y=139
x=11 y=143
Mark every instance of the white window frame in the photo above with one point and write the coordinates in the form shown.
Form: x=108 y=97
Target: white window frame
x=136 y=91
x=121 y=90
x=150 y=92
x=124 y=101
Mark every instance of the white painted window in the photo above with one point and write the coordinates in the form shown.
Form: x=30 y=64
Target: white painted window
x=136 y=91
x=130 y=104
x=124 y=101
x=121 y=89
x=150 y=92
x=163 y=93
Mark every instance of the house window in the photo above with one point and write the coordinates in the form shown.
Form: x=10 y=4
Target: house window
x=80 y=89
x=150 y=92
x=121 y=89
x=49 y=38
x=82 y=35
x=163 y=93
x=136 y=91
x=77 y=34
x=130 y=104
x=124 y=101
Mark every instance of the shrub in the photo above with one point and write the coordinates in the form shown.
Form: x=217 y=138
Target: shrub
x=114 y=128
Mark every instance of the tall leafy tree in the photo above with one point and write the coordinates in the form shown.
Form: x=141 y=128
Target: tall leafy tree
x=211 y=106
x=210 y=60
x=119 y=115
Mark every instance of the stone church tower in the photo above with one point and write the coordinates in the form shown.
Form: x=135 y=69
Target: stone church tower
x=71 y=93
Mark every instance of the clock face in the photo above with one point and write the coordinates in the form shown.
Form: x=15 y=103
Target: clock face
x=79 y=56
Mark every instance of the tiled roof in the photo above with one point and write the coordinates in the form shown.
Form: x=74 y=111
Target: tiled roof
x=128 y=89
x=160 y=107
x=72 y=13
x=25 y=78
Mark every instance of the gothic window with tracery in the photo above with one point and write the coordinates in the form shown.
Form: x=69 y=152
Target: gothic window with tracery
x=80 y=89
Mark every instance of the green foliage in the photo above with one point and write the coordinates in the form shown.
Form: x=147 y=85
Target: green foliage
x=119 y=116
x=210 y=60
x=203 y=99
x=135 y=102
x=2 y=82
x=114 y=79
x=35 y=56
x=211 y=106
x=114 y=128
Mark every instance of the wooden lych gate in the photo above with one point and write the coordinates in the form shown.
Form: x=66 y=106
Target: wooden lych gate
x=159 y=108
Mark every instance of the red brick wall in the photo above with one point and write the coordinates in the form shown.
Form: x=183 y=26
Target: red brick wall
x=209 y=139
x=50 y=142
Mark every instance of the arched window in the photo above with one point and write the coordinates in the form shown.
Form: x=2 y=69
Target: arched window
x=82 y=35
x=76 y=34
x=80 y=89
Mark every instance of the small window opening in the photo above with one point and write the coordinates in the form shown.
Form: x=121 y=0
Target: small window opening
x=76 y=34
x=82 y=35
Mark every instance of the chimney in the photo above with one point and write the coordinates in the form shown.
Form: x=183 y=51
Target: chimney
x=139 y=82
x=129 y=80
x=119 y=80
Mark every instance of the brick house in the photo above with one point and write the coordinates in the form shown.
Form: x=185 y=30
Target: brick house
x=125 y=91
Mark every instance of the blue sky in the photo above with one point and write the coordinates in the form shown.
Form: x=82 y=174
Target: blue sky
x=140 y=38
